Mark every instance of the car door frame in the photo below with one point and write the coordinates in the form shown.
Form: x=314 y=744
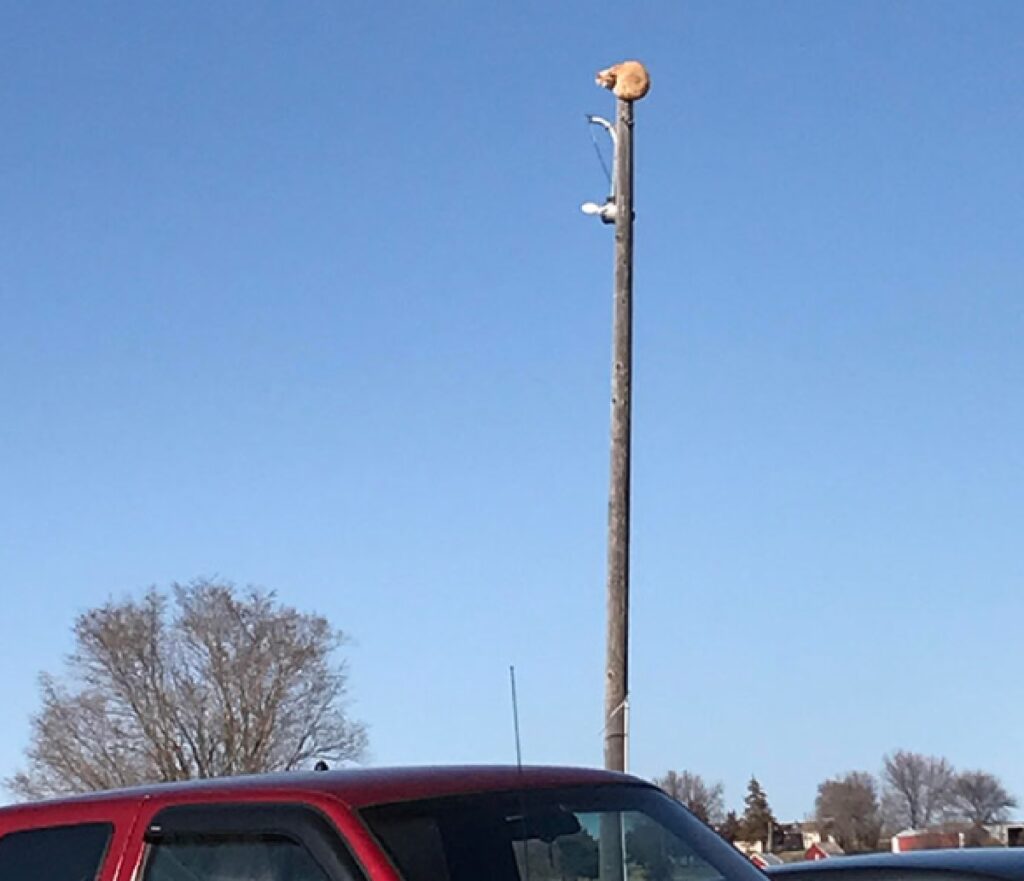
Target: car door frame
x=328 y=828
x=121 y=815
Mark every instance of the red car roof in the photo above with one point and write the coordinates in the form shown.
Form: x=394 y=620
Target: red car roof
x=358 y=787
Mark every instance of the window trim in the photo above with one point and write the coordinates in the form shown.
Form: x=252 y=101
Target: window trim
x=303 y=824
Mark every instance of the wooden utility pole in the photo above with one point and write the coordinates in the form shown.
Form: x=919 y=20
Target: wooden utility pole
x=616 y=696
x=630 y=82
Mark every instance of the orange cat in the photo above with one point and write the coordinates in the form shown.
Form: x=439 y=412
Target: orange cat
x=629 y=80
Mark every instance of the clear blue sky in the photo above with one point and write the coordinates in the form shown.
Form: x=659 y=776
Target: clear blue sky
x=300 y=295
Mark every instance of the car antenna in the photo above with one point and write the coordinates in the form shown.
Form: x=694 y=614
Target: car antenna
x=519 y=767
x=515 y=717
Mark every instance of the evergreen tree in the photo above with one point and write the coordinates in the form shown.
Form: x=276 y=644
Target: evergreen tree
x=730 y=828
x=758 y=821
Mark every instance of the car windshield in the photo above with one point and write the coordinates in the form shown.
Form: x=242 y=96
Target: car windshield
x=612 y=833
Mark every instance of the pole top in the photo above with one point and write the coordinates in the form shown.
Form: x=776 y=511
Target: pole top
x=629 y=80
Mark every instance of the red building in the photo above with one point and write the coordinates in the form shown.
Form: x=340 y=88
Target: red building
x=926 y=839
x=822 y=850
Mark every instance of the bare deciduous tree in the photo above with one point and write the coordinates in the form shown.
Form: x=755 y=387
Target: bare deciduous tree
x=203 y=681
x=981 y=798
x=848 y=807
x=705 y=800
x=919 y=789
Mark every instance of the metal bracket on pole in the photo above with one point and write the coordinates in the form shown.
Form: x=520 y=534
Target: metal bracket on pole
x=607 y=212
x=606 y=125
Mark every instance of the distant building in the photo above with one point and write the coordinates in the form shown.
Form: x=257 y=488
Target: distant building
x=791 y=837
x=749 y=848
x=1007 y=834
x=926 y=839
x=822 y=850
x=810 y=833
x=764 y=860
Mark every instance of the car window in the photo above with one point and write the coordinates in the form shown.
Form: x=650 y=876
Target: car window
x=56 y=853
x=263 y=858
x=222 y=858
x=619 y=832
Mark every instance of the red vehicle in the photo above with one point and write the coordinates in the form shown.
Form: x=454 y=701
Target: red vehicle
x=438 y=824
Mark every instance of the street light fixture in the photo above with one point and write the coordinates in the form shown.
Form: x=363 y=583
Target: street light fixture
x=606 y=211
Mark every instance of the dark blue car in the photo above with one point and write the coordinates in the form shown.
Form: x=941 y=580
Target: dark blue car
x=973 y=864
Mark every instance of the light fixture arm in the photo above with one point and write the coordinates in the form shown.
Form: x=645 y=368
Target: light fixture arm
x=609 y=127
x=607 y=211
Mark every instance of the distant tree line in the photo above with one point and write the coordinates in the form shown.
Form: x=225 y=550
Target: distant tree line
x=706 y=801
x=912 y=791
